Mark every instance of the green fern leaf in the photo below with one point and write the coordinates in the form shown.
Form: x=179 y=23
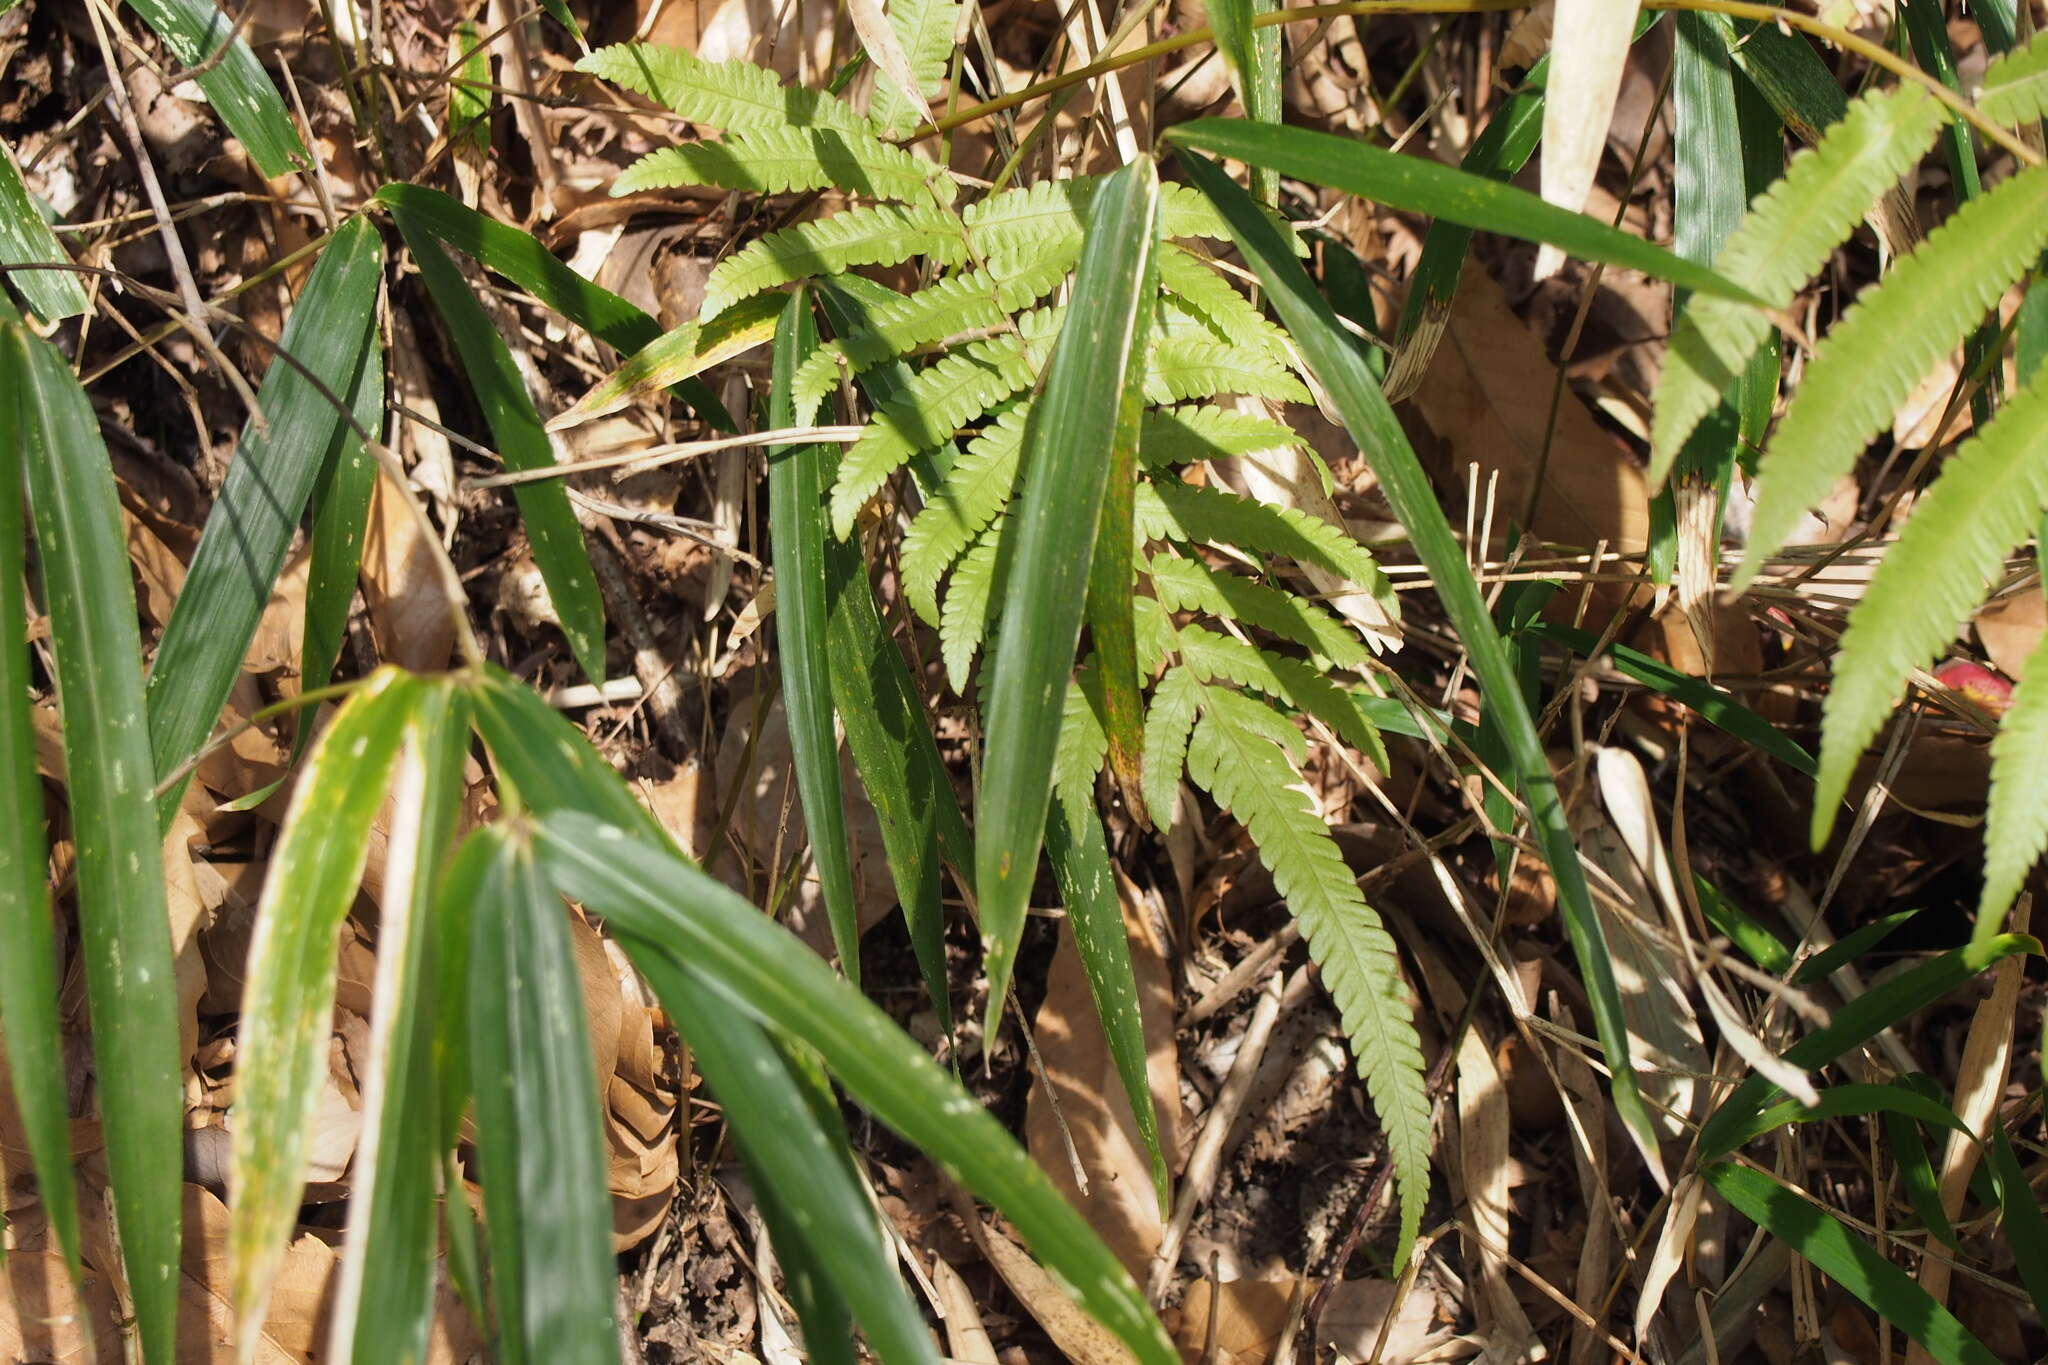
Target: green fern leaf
x=2016 y=825
x=877 y=234
x=925 y=29
x=1168 y=724
x=1232 y=756
x=1785 y=238
x=1188 y=585
x=968 y=301
x=737 y=97
x=2015 y=88
x=1988 y=499
x=1306 y=689
x=1231 y=316
x=977 y=488
x=783 y=160
x=1891 y=336
x=1053 y=214
x=963 y=622
x=1171 y=510
x=1156 y=637
x=937 y=402
x=1082 y=747
x=1177 y=436
x=1184 y=367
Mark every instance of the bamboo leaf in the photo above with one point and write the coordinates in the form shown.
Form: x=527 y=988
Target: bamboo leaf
x=332 y=333
x=1051 y=536
x=124 y=922
x=1357 y=397
x=288 y=996
x=341 y=511
x=25 y=239
x=196 y=31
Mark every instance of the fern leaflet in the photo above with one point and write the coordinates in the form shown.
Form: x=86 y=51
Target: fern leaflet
x=1184 y=367
x=1082 y=747
x=976 y=489
x=1784 y=239
x=877 y=234
x=2016 y=825
x=1232 y=755
x=1231 y=316
x=782 y=160
x=1188 y=585
x=1168 y=723
x=925 y=28
x=1304 y=688
x=1171 y=510
x=737 y=97
x=1185 y=435
x=2015 y=88
x=963 y=622
x=1891 y=336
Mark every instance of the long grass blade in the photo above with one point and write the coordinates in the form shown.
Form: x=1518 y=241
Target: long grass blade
x=341 y=511
x=124 y=921
x=1052 y=527
x=332 y=333
x=1356 y=394
x=200 y=33
x=288 y=997
x=540 y=1144
x=25 y=239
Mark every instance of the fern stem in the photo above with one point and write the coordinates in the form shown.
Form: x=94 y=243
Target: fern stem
x=1873 y=53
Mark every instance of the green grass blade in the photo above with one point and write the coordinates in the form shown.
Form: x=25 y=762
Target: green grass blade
x=235 y=85
x=469 y=90
x=547 y=760
x=821 y=1314
x=1859 y=1020
x=1051 y=539
x=550 y=522
x=384 y=1295
x=331 y=332
x=1759 y=944
x=2026 y=1228
x=1356 y=394
x=1850 y=1262
x=654 y=895
x=341 y=511
x=1790 y=75
x=288 y=997
x=1079 y=854
x=25 y=239
x=124 y=922
x=789 y=1151
x=1841 y=1101
x=1916 y=1175
x=1890 y=337
x=540 y=1144
x=29 y=1029
x=1849 y=947
x=797 y=477
x=1417 y=185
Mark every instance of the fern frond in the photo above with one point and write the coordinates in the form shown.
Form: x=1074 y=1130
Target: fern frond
x=1784 y=239
x=1184 y=435
x=875 y=234
x=1189 y=585
x=1212 y=655
x=925 y=29
x=976 y=489
x=1182 y=367
x=965 y=302
x=1169 y=721
x=2015 y=88
x=1156 y=637
x=1171 y=510
x=737 y=97
x=1199 y=285
x=783 y=160
x=1891 y=336
x=1232 y=756
x=1987 y=500
x=1053 y=215
x=931 y=408
x=1082 y=747
x=2016 y=824
x=963 y=621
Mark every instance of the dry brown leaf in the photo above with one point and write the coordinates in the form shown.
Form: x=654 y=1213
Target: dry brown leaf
x=1483 y=1170
x=43 y=1318
x=1080 y=1338
x=1250 y=1316
x=190 y=914
x=2010 y=628
x=1357 y=1310
x=966 y=1338
x=409 y=619
x=1488 y=396
x=1086 y=1092
x=1588 y=53
x=281 y=629
x=159 y=573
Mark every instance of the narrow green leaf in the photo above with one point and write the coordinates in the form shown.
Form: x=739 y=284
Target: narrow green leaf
x=1052 y=538
x=1762 y=947
x=547 y=761
x=288 y=995
x=797 y=538
x=1357 y=397
x=2026 y=1228
x=1079 y=854
x=1843 y=1101
x=25 y=239
x=790 y=1152
x=677 y=357
x=1862 y=1018
x=654 y=895
x=235 y=85
x=124 y=922
x=1421 y=186
x=384 y=1294
x=469 y=89
x=1889 y=338
x=1850 y=1262
x=1254 y=70
x=1851 y=946
x=540 y=1141
x=1916 y=1175
x=30 y=1035
x=331 y=332
x=544 y=508
x=341 y=512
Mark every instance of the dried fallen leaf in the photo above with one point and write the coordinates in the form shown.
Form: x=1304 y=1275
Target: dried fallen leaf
x=1588 y=51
